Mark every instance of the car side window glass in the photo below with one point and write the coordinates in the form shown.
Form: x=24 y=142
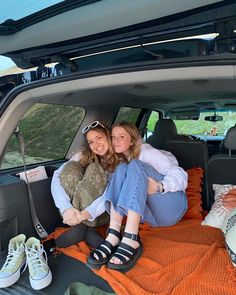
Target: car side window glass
x=154 y=117
x=128 y=114
x=48 y=131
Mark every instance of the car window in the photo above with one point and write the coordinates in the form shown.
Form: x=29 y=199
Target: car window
x=154 y=117
x=48 y=131
x=128 y=114
x=204 y=129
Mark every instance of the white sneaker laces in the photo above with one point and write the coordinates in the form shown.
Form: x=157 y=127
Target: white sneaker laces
x=12 y=257
x=35 y=258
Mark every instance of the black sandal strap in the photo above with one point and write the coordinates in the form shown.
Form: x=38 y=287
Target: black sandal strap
x=98 y=253
x=102 y=248
x=106 y=248
x=124 y=250
x=134 y=237
x=126 y=254
x=114 y=232
x=127 y=247
x=120 y=257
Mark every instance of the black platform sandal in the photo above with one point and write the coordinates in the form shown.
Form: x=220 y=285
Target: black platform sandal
x=92 y=261
x=127 y=251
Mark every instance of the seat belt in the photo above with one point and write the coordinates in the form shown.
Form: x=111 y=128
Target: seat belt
x=42 y=233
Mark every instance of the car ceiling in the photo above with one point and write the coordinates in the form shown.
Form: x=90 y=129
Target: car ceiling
x=191 y=88
x=194 y=87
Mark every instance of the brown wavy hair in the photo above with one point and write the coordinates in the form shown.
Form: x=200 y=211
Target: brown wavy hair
x=109 y=161
x=136 y=140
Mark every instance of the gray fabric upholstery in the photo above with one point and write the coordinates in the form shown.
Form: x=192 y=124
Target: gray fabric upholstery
x=230 y=139
x=191 y=154
x=221 y=169
x=164 y=130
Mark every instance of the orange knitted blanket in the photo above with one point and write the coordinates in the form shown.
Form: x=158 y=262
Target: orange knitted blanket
x=183 y=259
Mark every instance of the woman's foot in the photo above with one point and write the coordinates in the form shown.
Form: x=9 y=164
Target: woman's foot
x=103 y=252
x=129 y=242
x=127 y=253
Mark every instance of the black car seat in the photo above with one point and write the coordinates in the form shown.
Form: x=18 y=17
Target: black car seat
x=227 y=144
x=221 y=168
x=191 y=154
x=164 y=130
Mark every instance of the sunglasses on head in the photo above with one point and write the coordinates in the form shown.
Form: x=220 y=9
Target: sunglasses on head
x=92 y=125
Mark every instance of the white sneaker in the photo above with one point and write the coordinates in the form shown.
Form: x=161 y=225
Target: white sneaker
x=15 y=263
x=39 y=272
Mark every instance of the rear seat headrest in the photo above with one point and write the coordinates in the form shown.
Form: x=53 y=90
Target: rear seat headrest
x=166 y=127
x=230 y=138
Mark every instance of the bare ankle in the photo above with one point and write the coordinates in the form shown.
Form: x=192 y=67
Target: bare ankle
x=115 y=225
x=130 y=242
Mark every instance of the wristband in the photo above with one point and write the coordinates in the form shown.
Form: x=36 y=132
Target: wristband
x=160 y=187
x=162 y=190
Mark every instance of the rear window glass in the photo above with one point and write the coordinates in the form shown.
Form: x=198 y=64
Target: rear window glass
x=48 y=131
x=128 y=114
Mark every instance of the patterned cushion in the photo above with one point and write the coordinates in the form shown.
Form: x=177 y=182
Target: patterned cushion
x=218 y=212
x=230 y=221
x=229 y=229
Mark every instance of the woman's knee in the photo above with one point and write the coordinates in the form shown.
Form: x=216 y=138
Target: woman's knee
x=121 y=168
x=135 y=164
x=93 y=167
x=70 y=175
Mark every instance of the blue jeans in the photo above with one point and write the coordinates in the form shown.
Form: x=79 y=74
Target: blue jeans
x=127 y=190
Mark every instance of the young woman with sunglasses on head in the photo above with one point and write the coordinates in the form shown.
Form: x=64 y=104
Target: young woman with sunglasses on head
x=77 y=183
x=149 y=188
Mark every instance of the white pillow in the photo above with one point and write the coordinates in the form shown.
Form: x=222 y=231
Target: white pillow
x=230 y=240
x=230 y=221
x=218 y=212
x=229 y=229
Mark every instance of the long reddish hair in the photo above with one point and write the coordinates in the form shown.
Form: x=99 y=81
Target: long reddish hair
x=136 y=140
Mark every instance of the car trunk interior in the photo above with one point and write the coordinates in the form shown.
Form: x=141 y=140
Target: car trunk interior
x=102 y=56
x=155 y=89
x=202 y=87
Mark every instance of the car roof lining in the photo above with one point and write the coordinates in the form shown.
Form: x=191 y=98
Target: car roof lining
x=155 y=89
